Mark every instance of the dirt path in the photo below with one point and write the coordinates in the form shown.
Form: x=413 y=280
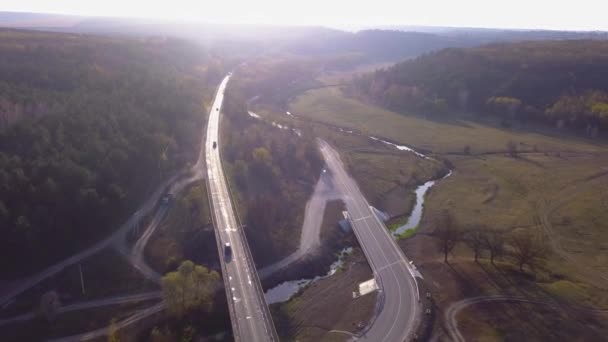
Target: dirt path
x=133 y=221
x=546 y=209
x=101 y=332
x=310 y=239
x=455 y=308
x=89 y=305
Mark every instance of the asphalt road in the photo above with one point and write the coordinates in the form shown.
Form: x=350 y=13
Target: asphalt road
x=251 y=320
x=397 y=310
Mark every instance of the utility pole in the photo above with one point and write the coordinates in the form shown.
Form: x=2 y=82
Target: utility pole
x=81 y=278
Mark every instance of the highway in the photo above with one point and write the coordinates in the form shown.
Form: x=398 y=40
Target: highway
x=397 y=309
x=251 y=320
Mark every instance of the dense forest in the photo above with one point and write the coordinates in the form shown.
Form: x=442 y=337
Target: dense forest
x=563 y=83
x=274 y=171
x=279 y=78
x=88 y=126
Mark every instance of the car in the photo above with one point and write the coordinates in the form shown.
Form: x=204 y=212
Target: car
x=166 y=199
x=217 y=109
x=227 y=250
x=214 y=144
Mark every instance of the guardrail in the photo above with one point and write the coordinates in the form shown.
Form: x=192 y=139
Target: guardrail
x=381 y=297
x=218 y=242
x=269 y=324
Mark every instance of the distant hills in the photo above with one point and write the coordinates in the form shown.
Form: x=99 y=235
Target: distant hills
x=392 y=43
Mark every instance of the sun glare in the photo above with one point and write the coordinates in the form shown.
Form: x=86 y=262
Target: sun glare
x=586 y=15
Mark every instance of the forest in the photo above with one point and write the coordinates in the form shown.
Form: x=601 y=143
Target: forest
x=88 y=126
x=560 y=83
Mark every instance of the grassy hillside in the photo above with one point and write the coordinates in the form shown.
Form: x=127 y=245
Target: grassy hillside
x=448 y=136
x=88 y=125
x=556 y=82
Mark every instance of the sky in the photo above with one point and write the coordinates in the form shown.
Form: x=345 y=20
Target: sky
x=519 y=14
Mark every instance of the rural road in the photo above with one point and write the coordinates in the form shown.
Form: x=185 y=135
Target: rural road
x=249 y=312
x=140 y=297
x=397 y=309
x=310 y=238
x=101 y=332
x=116 y=237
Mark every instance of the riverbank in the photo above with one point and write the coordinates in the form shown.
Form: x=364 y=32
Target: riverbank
x=326 y=310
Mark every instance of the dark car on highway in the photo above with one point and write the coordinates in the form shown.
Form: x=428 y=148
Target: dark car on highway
x=227 y=251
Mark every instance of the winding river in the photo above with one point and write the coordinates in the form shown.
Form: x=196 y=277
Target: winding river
x=284 y=291
x=416 y=215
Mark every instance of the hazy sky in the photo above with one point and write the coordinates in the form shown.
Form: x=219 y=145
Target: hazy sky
x=546 y=14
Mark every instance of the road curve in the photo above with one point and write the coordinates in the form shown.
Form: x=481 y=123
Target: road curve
x=139 y=297
x=250 y=316
x=397 y=309
x=117 y=236
x=101 y=332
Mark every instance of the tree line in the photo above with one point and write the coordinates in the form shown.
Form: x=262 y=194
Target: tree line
x=524 y=246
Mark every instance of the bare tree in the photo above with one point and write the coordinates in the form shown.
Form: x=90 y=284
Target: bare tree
x=447 y=233
x=475 y=239
x=528 y=248
x=494 y=242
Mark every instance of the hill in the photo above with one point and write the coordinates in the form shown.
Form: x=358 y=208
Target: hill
x=557 y=82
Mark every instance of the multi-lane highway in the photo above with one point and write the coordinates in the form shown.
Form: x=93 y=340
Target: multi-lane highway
x=251 y=320
x=398 y=309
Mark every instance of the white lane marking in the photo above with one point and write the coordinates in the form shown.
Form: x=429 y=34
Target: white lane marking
x=390 y=265
x=362 y=218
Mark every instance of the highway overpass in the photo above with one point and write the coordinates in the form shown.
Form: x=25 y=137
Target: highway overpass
x=251 y=319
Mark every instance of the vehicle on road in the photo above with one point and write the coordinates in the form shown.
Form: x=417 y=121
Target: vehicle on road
x=166 y=199
x=227 y=251
x=214 y=144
